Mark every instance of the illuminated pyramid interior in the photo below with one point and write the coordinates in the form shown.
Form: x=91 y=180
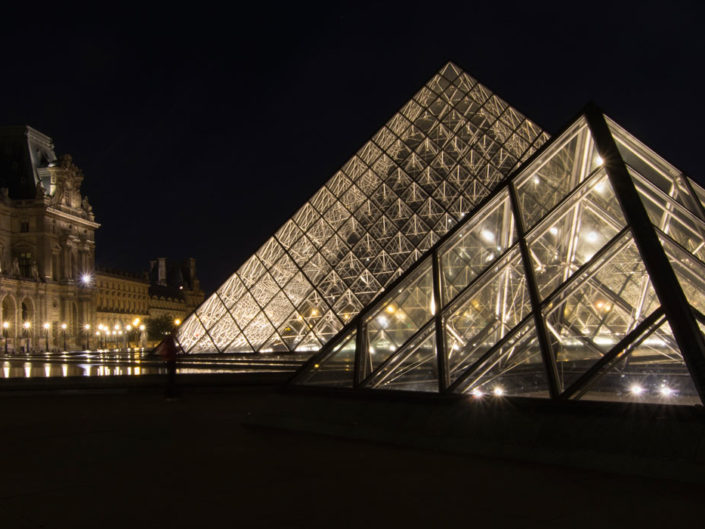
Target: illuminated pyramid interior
x=580 y=277
x=422 y=172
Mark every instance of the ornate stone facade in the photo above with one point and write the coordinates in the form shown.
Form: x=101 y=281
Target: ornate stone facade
x=47 y=244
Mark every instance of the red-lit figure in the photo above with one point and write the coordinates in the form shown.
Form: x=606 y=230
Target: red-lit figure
x=168 y=349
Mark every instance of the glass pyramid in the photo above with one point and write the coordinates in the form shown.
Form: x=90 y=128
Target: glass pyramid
x=423 y=171
x=582 y=276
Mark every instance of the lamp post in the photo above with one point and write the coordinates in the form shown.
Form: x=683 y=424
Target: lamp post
x=128 y=335
x=87 y=328
x=26 y=325
x=142 y=328
x=46 y=336
x=63 y=334
x=5 y=326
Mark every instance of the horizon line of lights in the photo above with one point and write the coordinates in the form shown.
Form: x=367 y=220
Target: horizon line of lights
x=635 y=389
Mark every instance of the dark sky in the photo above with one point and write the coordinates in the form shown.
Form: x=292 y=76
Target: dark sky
x=201 y=131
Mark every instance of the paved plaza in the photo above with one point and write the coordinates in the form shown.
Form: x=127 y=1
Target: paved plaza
x=133 y=459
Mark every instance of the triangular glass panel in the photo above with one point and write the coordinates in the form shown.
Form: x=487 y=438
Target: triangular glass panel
x=204 y=345
x=274 y=345
x=336 y=369
x=651 y=370
x=549 y=178
x=400 y=314
x=474 y=247
x=671 y=218
x=512 y=368
x=574 y=232
x=598 y=309
x=657 y=171
x=689 y=271
x=224 y=332
x=413 y=368
x=485 y=312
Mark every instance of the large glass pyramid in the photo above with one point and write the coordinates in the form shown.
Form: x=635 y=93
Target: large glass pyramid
x=431 y=164
x=582 y=276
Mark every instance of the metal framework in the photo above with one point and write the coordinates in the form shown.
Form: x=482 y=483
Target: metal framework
x=429 y=166
x=581 y=276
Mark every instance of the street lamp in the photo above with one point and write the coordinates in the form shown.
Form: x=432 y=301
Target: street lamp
x=46 y=335
x=63 y=333
x=87 y=328
x=142 y=328
x=26 y=326
x=177 y=322
x=5 y=326
x=128 y=334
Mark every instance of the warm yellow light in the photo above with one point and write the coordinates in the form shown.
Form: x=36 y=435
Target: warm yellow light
x=314 y=312
x=5 y=325
x=498 y=391
x=142 y=327
x=136 y=322
x=128 y=327
x=117 y=326
x=87 y=326
x=177 y=322
x=26 y=325
x=63 y=326
x=390 y=309
x=46 y=326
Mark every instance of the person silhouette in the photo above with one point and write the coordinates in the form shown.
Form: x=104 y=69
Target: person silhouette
x=168 y=349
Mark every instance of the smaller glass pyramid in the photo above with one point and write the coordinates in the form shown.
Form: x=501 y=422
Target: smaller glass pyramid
x=582 y=276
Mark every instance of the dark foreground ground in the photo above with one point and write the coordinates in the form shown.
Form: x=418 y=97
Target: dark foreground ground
x=132 y=459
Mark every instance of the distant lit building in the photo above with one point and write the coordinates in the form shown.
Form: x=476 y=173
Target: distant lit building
x=124 y=300
x=47 y=244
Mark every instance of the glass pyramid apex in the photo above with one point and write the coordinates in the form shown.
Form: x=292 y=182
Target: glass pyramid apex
x=423 y=171
x=579 y=277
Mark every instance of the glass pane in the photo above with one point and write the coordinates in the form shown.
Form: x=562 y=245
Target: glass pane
x=672 y=219
x=574 y=233
x=652 y=370
x=699 y=191
x=486 y=312
x=400 y=314
x=515 y=368
x=474 y=247
x=204 y=345
x=604 y=305
x=552 y=176
x=337 y=369
x=652 y=167
x=190 y=332
x=689 y=271
x=413 y=369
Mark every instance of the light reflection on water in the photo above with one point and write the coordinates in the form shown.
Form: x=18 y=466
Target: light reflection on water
x=135 y=363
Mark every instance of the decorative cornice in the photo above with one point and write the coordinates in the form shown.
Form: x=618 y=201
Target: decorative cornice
x=73 y=218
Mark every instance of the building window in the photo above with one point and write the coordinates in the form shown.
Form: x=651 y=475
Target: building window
x=25 y=262
x=24 y=226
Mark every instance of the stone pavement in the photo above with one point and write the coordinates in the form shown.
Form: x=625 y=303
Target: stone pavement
x=118 y=458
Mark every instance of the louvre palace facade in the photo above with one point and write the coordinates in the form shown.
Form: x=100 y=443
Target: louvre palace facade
x=47 y=242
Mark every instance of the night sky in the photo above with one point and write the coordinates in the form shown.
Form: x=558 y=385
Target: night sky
x=201 y=132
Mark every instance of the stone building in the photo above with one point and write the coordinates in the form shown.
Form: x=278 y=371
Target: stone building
x=47 y=244
x=124 y=301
